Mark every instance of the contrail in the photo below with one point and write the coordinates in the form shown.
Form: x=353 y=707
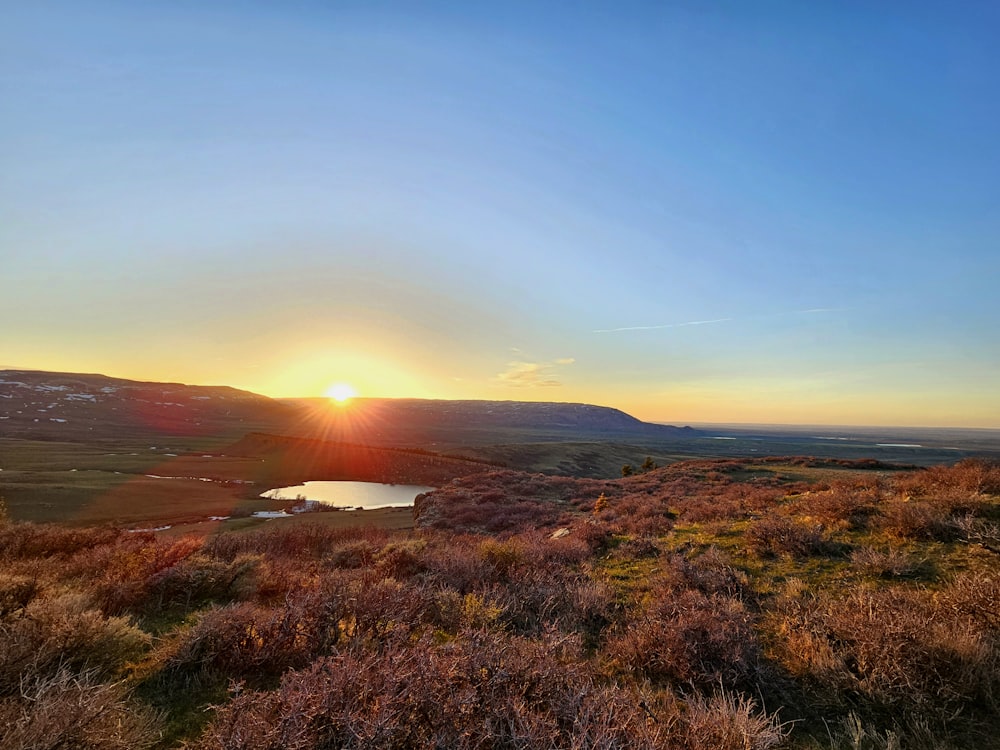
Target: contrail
x=664 y=325
x=721 y=320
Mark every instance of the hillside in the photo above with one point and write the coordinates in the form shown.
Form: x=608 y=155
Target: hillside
x=288 y=460
x=39 y=405
x=709 y=605
x=462 y=422
x=84 y=407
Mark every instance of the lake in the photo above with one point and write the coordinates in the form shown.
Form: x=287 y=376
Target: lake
x=368 y=495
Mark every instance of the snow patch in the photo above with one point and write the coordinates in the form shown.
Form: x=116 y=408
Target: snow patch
x=155 y=528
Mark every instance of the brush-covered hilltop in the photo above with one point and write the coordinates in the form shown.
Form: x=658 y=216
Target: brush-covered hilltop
x=785 y=604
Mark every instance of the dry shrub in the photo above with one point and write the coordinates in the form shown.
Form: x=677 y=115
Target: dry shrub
x=75 y=711
x=403 y=559
x=249 y=640
x=897 y=647
x=484 y=690
x=845 y=505
x=641 y=515
x=169 y=582
x=964 y=481
x=126 y=570
x=380 y=607
x=63 y=632
x=244 y=640
x=503 y=556
x=21 y=541
x=709 y=573
x=907 y=733
x=972 y=530
x=508 y=502
x=456 y=563
x=775 y=535
x=637 y=548
x=569 y=550
x=888 y=563
x=687 y=637
x=275 y=579
x=534 y=598
x=595 y=536
x=196 y=580
x=359 y=553
x=917 y=519
x=726 y=721
x=16 y=592
x=301 y=541
x=974 y=594
x=725 y=501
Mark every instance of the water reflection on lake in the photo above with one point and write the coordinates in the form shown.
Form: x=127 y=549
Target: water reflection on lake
x=368 y=495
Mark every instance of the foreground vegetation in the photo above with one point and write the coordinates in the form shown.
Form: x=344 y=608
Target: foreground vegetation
x=709 y=604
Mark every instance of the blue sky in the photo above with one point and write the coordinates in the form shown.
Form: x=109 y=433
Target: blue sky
x=768 y=212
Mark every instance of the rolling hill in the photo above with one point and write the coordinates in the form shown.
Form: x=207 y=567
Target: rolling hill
x=429 y=422
x=83 y=407
x=78 y=407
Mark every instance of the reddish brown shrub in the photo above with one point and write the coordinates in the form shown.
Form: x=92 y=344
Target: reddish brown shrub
x=484 y=690
x=64 y=633
x=966 y=479
x=402 y=559
x=686 y=637
x=779 y=535
x=301 y=541
x=16 y=592
x=917 y=519
x=897 y=646
x=887 y=563
x=843 y=506
x=974 y=594
x=20 y=541
x=358 y=553
x=125 y=571
x=245 y=640
x=726 y=721
x=76 y=711
x=709 y=573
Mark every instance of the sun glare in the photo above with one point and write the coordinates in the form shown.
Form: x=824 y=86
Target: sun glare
x=340 y=392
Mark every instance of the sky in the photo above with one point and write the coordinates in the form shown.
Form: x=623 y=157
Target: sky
x=773 y=212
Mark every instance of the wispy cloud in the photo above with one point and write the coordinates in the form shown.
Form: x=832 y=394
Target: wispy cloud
x=533 y=374
x=662 y=325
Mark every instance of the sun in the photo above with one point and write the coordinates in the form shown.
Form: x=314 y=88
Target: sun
x=341 y=392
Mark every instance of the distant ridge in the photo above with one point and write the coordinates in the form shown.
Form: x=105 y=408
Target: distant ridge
x=36 y=404
x=475 y=421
